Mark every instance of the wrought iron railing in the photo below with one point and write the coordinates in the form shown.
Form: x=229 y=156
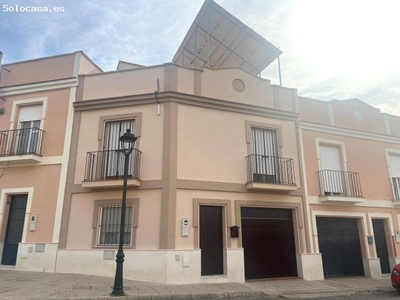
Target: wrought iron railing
x=21 y=141
x=339 y=183
x=396 y=187
x=109 y=164
x=270 y=169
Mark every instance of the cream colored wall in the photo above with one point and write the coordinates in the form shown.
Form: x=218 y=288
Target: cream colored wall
x=80 y=230
x=150 y=142
x=212 y=144
x=344 y=114
x=218 y=84
x=38 y=70
x=314 y=111
x=86 y=66
x=54 y=121
x=123 y=83
x=394 y=123
x=184 y=209
x=44 y=180
x=364 y=156
x=185 y=80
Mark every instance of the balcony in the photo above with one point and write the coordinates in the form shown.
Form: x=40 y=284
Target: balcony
x=105 y=169
x=21 y=145
x=270 y=173
x=340 y=186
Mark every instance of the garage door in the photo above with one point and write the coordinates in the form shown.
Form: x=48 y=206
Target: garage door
x=268 y=242
x=339 y=244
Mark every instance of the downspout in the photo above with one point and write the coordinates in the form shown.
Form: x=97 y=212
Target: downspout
x=156 y=94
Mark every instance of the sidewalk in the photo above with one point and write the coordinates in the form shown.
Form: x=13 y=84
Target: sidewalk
x=30 y=285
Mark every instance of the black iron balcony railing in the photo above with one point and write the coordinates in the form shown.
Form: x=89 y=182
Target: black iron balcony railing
x=109 y=165
x=396 y=187
x=339 y=183
x=21 y=141
x=270 y=169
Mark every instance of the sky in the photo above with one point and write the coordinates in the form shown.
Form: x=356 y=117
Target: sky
x=332 y=49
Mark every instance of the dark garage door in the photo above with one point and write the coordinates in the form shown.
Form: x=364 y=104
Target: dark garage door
x=339 y=244
x=268 y=242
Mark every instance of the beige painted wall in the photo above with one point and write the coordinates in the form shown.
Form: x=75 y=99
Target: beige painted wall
x=51 y=68
x=364 y=156
x=123 y=83
x=80 y=230
x=184 y=209
x=345 y=116
x=45 y=181
x=54 y=122
x=315 y=111
x=150 y=142
x=87 y=66
x=186 y=81
x=218 y=84
x=212 y=144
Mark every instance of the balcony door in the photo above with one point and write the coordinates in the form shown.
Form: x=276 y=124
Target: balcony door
x=27 y=138
x=265 y=154
x=114 y=157
x=394 y=165
x=330 y=161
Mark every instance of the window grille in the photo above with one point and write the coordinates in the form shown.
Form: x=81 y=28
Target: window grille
x=109 y=226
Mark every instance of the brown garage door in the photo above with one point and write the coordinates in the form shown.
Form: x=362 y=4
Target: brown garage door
x=268 y=242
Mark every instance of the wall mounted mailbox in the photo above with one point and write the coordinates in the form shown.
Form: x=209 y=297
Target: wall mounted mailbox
x=234 y=231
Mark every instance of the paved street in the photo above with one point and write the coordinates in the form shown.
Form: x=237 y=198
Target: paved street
x=30 y=285
x=363 y=296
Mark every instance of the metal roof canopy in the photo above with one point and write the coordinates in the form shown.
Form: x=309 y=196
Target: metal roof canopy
x=218 y=40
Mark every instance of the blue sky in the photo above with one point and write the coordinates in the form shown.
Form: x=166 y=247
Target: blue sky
x=332 y=49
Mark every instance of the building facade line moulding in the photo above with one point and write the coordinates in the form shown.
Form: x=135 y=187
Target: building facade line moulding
x=181 y=98
x=38 y=86
x=349 y=132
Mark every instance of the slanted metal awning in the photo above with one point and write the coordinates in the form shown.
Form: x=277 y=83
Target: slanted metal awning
x=218 y=40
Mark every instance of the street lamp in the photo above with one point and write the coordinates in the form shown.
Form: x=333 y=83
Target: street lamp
x=118 y=289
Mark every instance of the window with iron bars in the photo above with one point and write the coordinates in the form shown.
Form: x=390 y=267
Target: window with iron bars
x=110 y=223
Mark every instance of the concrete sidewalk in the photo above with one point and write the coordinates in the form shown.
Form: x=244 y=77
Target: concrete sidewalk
x=30 y=285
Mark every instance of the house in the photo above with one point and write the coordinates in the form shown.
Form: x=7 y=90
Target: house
x=215 y=190
x=352 y=162
x=231 y=178
x=36 y=116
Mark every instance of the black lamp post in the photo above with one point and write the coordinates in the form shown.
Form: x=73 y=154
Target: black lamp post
x=118 y=289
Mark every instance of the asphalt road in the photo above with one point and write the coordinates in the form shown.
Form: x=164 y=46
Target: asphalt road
x=366 y=296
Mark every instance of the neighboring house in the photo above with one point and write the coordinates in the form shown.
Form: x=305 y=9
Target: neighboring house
x=35 y=127
x=215 y=189
x=352 y=161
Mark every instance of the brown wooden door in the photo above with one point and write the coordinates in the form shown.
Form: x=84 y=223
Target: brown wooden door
x=268 y=242
x=211 y=243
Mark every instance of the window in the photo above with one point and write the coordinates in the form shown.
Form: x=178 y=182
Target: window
x=109 y=225
x=265 y=154
x=394 y=164
x=29 y=134
x=331 y=175
x=114 y=157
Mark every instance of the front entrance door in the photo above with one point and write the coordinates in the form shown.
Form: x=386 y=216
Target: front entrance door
x=380 y=244
x=268 y=242
x=15 y=225
x=211 y=244
x=339 y=244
